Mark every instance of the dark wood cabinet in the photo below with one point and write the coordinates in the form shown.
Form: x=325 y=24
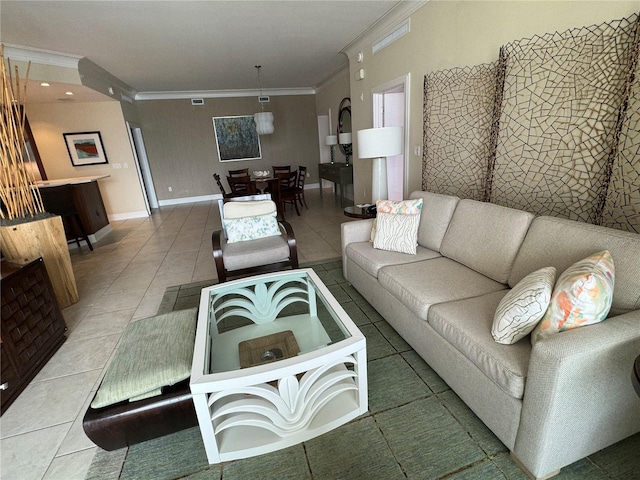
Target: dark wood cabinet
x=339 y=173
x=90 y=206
x=32 y=326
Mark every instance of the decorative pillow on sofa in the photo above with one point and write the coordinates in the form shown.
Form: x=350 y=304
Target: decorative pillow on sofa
x=251 y=228
x=582 y=296
x=521 y=309
x=396 y=207
x=154 y=352
x=397 y=232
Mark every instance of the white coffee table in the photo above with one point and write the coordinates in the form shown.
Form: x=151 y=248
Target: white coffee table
x=282 y=400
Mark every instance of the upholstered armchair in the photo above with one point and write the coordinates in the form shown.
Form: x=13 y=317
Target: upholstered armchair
x=252 y=240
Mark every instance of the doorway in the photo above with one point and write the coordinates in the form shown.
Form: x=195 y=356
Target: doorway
x=391 y=109
x=142 y=167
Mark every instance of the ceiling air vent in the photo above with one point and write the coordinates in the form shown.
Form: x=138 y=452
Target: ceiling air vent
x=197 y=101
x=399 y=32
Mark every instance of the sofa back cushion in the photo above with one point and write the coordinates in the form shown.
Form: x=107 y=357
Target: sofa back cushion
x=486 y=237
x=559 y=243
x=437 y=211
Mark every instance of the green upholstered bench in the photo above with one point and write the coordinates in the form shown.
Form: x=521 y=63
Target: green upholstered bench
x=145 y=391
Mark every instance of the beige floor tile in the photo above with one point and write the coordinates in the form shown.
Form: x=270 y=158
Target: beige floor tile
x=44 y=404
x=139 y=281
x=73 y=466
x=101 y=325
x=76 y=440
x=113 y=302
x=79 y=356
x=148 y=306
x=28 y=456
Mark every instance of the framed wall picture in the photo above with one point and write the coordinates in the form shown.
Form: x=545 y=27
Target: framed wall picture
x=237 y=138
x=85 y=148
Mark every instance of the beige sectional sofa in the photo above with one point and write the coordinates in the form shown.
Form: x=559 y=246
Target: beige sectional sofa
x=570 y=395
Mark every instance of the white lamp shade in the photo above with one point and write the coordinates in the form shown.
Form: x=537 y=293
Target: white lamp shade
x=264 y=123
x=345 y=138
x=379 y=142
x=331 y=140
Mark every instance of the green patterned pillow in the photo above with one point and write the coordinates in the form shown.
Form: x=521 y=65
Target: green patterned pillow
x=154 y=352
x=251 y=228
x=582 y=296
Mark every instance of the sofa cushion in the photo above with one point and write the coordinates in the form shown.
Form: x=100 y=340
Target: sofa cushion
x=582 y=296
x=372 y=260
x=419 y=285
x=437 y=211
x=523 y=307
x=559 y=243
x=486 y=237
x=397 y=233
x=466 y=324
x=154 y=352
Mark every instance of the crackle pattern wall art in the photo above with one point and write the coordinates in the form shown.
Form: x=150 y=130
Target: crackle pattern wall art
x=622 y=202
x=458 y=119
x=564 y=138
x=562 y=96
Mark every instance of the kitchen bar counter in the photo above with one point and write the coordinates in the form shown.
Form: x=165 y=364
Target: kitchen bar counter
x=88 y=202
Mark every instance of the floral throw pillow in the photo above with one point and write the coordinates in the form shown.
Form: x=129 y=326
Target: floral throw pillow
x=251 y=228
x=582 y=296
x=396 y=207
x=521 y=309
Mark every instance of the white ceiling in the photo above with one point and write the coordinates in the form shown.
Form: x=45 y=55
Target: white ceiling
x=177 y=46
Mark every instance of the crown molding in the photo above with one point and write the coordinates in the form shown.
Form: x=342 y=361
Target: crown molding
x=383 y=27
x=342 y=71
x=38 y=55
x=188 y=94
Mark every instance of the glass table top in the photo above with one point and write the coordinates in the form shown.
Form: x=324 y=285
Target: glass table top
x=267 y=318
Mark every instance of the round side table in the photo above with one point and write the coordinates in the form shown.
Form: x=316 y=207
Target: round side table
x=357 y=212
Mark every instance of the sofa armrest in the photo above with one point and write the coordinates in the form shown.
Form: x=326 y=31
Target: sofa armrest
x=579 y=397
x=352 y=232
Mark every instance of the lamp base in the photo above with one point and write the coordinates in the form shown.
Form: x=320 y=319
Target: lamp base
x=379 y=180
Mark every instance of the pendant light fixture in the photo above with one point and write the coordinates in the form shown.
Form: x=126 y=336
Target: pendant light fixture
x=264 y=120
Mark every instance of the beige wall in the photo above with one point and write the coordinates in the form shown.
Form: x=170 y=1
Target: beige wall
x=330 y=94
x=181 y=144
x=446 y=34
x=121 y=192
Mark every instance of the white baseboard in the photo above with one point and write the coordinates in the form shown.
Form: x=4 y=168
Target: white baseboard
x=178 y=201
x=127 y=216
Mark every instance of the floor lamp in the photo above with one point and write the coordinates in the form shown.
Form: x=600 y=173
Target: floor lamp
x=379 y=143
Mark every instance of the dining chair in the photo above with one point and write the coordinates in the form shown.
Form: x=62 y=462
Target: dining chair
x=287 y=190
x=243 y=172
x=247 y=257
x=281 y=169
x=302 y=176
x=241 y=185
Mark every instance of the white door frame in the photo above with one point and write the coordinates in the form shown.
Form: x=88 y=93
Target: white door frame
x=402 y=83
x=142 y=167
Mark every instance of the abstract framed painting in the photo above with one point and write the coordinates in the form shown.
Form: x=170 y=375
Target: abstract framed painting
x=85 y=148
x=237 y=138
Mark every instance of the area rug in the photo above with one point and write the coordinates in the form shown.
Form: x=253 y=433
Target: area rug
x=416 y=426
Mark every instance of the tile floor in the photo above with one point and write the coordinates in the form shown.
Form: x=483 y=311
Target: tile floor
x=124 y=278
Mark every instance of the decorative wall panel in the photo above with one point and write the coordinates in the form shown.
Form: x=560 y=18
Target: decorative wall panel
x=563 y=93
x=622 y=203
x=458 y=120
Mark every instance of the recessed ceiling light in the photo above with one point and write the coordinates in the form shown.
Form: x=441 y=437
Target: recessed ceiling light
x=45 y=84
x=68 y=93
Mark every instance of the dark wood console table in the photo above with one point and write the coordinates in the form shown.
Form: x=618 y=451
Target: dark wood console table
x=340 y=174
x=32 y=326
